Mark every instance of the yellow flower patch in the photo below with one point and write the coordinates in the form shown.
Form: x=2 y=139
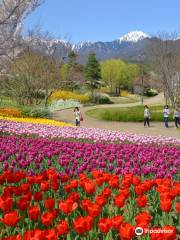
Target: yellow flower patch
x=37 y=121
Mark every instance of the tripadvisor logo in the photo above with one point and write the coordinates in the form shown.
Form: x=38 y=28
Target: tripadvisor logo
x=139 y=231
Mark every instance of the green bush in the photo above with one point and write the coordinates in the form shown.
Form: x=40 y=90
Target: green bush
x=151 y=92
x=26 y=111
x=102 y=98
x=40 y=113
x=36 y=112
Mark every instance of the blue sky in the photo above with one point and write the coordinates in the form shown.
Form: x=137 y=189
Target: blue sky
x=105 y=20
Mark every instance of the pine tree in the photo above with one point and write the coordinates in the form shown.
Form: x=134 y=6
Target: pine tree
x=93 y=73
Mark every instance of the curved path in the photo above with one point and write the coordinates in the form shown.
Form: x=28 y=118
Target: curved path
x=156 y=128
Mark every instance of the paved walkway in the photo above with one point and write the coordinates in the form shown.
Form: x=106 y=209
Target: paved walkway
x=156 y=128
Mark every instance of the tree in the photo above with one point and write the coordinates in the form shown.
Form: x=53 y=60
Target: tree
x=117 y=74
x=72 y=72
x=165 y=58
x=109 y=73
x=12 y=13
x=28 y=80
x=41 y=41
x=93 y=73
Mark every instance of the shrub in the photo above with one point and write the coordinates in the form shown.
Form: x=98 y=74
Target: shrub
x=102 y=98
x=26 y=111
x=66 y=95
x=104 y=90
x=124 y=93
x=63 y=104
x=40 y=113
x=151 y=92
x=10 y=112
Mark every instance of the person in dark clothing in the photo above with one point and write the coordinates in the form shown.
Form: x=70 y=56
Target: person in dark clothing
x=146 y=116
x=177 y=117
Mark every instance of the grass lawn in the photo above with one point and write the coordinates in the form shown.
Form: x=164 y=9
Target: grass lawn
x=127 y=114
x=129 y=99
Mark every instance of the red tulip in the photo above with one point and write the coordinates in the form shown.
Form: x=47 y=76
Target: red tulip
x=89 y=186
x=116 y=222
x=36 y=234
x=74 y=196
x=33 y=212
x=125 y=192
x=85 y=204
x=25 y=187
x=139 y=189
x=82 y=224
x=2 y=179
x=119 y=201
x=47 y=218
x=50 y=234
x=64 y=178
x=104 y=225
x=49 y=203
x=136 y=180
x=11 y=219
x=114 y=181
x=166 y=204
x=62 y=227
x=74 y=183
x=38 y=196
x=93 y=210
x=100 y=181
x=55 y=185
x=106 y=192
x=100 y=200
x=157 y=234
x=170 y=233
x=141 y=201
x=178 y=207
x=126 y=231
x=45 y=186
x=143 y=219
x=68 y=206
x=17 y=191
x=6 y=204
x=16 y=237
x=23 y=203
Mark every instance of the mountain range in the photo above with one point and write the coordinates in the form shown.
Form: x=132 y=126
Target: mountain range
x=131 y=47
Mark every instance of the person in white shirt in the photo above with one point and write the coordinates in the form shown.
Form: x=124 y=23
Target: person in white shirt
x=77 y=116
x=166 y=113
x=177 y=117
x=146 y=116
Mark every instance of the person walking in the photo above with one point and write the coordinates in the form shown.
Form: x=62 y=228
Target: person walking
x=166 y=113
x=77 y=116
x=146 y=116
x=177 y=117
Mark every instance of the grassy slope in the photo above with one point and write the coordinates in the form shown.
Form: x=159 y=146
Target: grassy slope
x=134 y=114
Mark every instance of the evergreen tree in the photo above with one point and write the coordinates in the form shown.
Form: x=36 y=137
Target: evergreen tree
x=72 y=58
x=93 y=73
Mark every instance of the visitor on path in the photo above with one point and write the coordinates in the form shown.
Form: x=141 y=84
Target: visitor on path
x=166 y=113
x=146 y=116
x=177 y=117
x=77 y=116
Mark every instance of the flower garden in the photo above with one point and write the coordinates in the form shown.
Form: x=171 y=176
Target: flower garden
x=62 y=182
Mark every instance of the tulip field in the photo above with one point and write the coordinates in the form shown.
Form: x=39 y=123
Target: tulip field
x=62 y=182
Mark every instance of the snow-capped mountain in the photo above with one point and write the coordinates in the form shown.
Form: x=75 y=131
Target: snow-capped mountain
x=78 y=46
x=134 y=36
x=130 y=47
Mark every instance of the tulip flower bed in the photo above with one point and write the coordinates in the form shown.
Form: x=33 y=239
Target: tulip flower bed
x=98 y=205
x=90 y=134
x=73 y=158
x=31 y=121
